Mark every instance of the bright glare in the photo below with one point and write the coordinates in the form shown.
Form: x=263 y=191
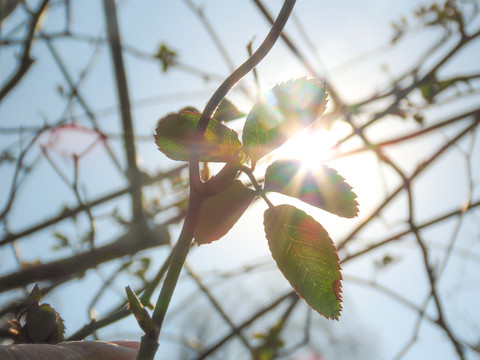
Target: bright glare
x=311 y=146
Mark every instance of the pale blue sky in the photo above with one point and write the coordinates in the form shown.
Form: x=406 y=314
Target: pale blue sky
x=340 y=31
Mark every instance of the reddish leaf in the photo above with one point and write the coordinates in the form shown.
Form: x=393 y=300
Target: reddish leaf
x=220 y=212
x=306 y=256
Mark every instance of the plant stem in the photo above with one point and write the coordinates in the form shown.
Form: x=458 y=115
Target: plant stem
x=248 y=65
x=149 y=344
x=150 y=341
x=256 y=185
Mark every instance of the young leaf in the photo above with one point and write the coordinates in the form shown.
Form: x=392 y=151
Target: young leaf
x=138 y=310
x=322 y=187
x=220 y=212
x=226 y=111
x=176 y=135
x=224 y=178
x=285 y=110
x=306 y=256
x=42 y=323
x=167 y=56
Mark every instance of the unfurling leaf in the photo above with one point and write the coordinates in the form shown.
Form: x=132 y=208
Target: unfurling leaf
x=322 y=187
x=306 y=256
x=285 y=110
x=226 y=111
x=167 y=56
x=176 y=135
x=433 y=87
x=42 y=324
x=271 y=342
x=138 y=310
x=220 y=212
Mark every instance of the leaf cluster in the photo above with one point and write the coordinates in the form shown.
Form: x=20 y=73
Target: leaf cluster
x=301 y=247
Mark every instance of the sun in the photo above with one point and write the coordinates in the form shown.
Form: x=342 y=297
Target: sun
x=312 y=146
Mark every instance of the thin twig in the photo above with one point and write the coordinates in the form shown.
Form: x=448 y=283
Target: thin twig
x=216 y=305
x=25 y=60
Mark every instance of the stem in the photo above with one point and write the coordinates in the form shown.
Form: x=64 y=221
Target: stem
x=248 y=65
x=149 y=344
x=256 y=185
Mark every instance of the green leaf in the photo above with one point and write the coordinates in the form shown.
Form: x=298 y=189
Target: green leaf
x=176 y=135
x=63 y=241
x=306 y=256
x=433 y=87
x=42 y=323
x=271 y=342
x=226 y=111
x=167 y=56
x=35 y=294
x=322 y=187
x=285 y=110
x=220 y=212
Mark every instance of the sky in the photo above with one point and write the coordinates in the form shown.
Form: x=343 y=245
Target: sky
x=340 y=31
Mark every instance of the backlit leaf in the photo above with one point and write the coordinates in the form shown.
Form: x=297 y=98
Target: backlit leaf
x=220 y=212
x=224 y=178
x=176 y=135
x=285 y=110
x=306 y=256
x=226 y=111
x=322 y=187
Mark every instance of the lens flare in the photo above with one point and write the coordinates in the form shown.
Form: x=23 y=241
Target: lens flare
x=311 y=147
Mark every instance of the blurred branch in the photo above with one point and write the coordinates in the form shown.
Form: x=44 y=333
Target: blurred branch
x=25 y=60
x=257 y=315
x=402 y=234
x=216 y=305
x=124 y=102
x=420 y=168
x=70 y=213
x=441 y=321
x=413 y=134
x=18 y=169
x=136 y=239
x=121 y=312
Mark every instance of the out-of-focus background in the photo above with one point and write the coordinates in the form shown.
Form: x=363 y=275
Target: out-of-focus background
x=77 y=156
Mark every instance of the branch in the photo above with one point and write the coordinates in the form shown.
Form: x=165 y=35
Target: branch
x=431 y=277
x=121 y=312
x=407 y=232
x=70 y=213
x=217 y=305
x=25 y=61
x=136 y=239
x=399 y=189
x=210 y=350
x=124 y=101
